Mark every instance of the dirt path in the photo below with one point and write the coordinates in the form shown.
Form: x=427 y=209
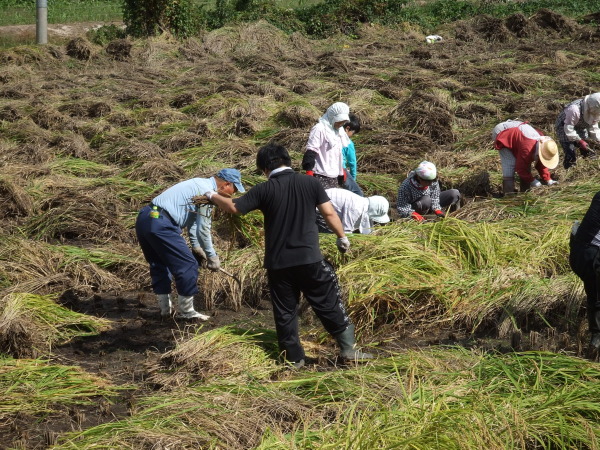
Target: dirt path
x=56 y=30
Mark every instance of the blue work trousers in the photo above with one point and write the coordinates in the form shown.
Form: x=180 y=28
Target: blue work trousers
x=167 y=252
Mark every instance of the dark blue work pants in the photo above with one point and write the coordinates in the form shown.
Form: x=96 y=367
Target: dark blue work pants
x=167 y=252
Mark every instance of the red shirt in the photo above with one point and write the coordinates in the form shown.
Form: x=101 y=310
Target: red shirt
x=523 y=148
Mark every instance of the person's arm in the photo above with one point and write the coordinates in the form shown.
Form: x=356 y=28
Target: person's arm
x=350 y=154
x=224 y=203
x=313 y=147
x=594 y=132
x=335 y=224
x=434 y=193
x=523 y=164
x=571 y=118
x=543 y=171
x=403 y=204
x=199 y=231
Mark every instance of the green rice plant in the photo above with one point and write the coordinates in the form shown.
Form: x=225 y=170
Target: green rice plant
x=78 y=167
x=30 y=324
x=35 y=386
x=222 y=353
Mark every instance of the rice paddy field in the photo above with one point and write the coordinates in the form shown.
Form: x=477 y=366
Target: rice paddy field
x=477 y=321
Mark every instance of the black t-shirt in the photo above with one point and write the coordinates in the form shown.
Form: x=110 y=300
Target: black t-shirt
x=288 y=201
x=590 y=224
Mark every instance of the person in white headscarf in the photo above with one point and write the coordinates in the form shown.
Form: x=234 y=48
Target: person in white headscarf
x=323 y=154
x=576 y=124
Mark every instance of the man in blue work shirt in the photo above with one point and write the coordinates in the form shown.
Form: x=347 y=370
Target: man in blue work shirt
x=159 y=232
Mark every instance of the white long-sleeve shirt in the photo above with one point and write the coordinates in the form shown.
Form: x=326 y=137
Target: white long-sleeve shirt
x=327 y=144
x=352 y=210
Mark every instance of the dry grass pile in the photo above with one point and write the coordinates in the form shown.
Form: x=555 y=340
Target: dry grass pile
x=14 y=199
x=80 y=48
x=222 y=353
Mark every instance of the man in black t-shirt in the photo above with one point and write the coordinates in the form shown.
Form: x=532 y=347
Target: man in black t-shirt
x=585 y=262
x=293 y=259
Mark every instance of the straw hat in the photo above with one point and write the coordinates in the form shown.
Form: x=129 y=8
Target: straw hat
x=548 y=153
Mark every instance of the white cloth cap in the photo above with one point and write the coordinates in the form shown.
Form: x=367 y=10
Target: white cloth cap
x=426 y=171
x=337 y=112
x=378 y=209
x=591 y=108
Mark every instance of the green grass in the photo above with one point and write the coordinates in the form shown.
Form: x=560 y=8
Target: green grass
x=16 y=12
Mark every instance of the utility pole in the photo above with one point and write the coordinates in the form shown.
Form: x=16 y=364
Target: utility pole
x=41 y=22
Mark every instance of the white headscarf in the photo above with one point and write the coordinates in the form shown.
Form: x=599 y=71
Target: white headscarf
x=591 y=108
x=338 y=112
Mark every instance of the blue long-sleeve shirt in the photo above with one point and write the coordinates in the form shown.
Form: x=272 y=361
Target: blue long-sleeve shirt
x=349 y=154
x=176 y=200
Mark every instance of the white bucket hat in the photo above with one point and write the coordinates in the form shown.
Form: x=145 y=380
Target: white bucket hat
x=378 y=209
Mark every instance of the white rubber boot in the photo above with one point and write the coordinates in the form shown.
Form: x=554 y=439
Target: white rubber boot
x=164 y=303
x=186 y=309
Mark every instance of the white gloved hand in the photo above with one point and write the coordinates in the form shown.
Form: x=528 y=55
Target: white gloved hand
x=535 y=183
x=343 y=244
x=209 y=194
x=213 y=263
x=551 y=182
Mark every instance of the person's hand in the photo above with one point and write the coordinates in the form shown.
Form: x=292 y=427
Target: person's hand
x=535 y=184
x=343 y=244
x=551 y=182
x=418 y=217
x=440 y=213
x=199 y=255
x=310 y=173
x=213 y=263
x=209 y=194
x=200 y=200
x=583 y=145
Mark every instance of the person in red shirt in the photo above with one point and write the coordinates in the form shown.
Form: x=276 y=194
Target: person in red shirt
x=520 y=145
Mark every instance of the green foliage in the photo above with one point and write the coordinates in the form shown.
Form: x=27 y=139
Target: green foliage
x=105 y=34
x=150 y=18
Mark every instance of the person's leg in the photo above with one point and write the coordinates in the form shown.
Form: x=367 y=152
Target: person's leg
x=322 y=291
x=423 y=205
x=159 y=273
x=166 y=240
x=285 y=297
x=351 y=185
x=508 y=162
x=450 y=198
x=570 y=154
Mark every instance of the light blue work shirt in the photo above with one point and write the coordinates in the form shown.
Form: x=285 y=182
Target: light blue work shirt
x=177 y=201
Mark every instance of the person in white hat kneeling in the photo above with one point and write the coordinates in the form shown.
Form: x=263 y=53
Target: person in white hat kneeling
x=420 y=194
x=519 y=146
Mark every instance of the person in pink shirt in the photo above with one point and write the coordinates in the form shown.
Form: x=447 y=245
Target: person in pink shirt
x=520 y=145
x=323 y=155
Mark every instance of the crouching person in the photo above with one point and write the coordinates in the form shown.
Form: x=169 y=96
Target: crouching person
x=356 y=213
x=159 y=232
x=420 y=194
x=293 y=258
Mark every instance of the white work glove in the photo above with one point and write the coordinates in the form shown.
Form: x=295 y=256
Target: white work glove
x=535 y=183
x=209 y=194
x=551 y=182
x=213 y=263
x=343 y=244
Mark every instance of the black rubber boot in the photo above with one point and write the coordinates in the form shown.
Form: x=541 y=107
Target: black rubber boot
x=347 y=343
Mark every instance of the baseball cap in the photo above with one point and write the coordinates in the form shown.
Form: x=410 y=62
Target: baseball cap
x=233 y=176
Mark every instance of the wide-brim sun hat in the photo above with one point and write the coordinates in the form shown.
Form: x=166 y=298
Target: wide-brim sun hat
x=548 y=153
x=378 y=209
